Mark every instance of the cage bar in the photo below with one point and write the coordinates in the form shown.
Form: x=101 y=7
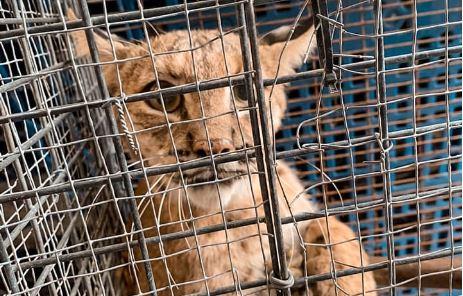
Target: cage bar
x=372 y=129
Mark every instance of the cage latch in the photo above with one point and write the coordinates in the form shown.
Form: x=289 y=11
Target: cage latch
x=330 y=81
x=281 y=284
x=324 y=44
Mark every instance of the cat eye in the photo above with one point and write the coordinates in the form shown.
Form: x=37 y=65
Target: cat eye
x=239 y=92
x=171 y=101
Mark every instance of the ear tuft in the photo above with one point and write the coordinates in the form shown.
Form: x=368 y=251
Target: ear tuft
x=292 y=52
x=282 y=33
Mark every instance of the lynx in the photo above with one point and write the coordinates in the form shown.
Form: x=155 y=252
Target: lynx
x=180 y=128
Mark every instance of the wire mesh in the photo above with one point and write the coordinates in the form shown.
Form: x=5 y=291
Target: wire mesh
x=372 y=128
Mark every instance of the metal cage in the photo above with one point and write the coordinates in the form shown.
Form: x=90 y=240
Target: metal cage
x=372 y=127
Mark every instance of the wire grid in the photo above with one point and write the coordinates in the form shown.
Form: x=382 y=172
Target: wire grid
x=359 y=89
x=420 y=116
x=45 y=152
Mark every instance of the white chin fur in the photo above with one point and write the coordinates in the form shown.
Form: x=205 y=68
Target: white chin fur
x=210 y=197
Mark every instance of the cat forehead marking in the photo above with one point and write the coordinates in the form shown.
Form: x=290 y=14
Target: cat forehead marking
x=209 y=53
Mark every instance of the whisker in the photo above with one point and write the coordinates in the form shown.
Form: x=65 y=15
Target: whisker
x=163 y=198
x=151 y=189
x=143 y=207
x=169 y=206
x=181 y=214
x=147 y=196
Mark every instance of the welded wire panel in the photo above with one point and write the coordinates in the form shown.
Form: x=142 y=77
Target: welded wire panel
x=152 y=166
x=46 y=152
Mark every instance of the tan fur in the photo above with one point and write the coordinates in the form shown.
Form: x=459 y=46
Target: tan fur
x=240 y=253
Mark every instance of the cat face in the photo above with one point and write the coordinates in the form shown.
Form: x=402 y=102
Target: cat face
x=193 y=125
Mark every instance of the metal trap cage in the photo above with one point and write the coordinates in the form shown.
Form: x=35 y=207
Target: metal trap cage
x=372 y=128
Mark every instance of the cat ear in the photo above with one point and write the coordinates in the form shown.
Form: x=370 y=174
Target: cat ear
x=102 y=40
x=109 y=49
x=293 y=52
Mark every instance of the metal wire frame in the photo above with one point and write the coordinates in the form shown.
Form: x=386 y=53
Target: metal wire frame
x=44 y=204
x=117 y=177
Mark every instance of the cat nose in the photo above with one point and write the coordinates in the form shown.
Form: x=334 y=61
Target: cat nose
x=201 y=148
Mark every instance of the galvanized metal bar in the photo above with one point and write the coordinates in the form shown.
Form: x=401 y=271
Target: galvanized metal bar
x=97 y=181
x=8 y=267
x=230 y=225
x=300 y=282
x=415 y=141
x=324 y=44
x=55 y=24
x=383 y=141
x=152 y=171
x=216 y=83
x=357 y=230
x=269 y=184
x=119 y=152
x=37 y=20
x=451 y=199
x=119 y=17
x=221 y=82
x=249 y=92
